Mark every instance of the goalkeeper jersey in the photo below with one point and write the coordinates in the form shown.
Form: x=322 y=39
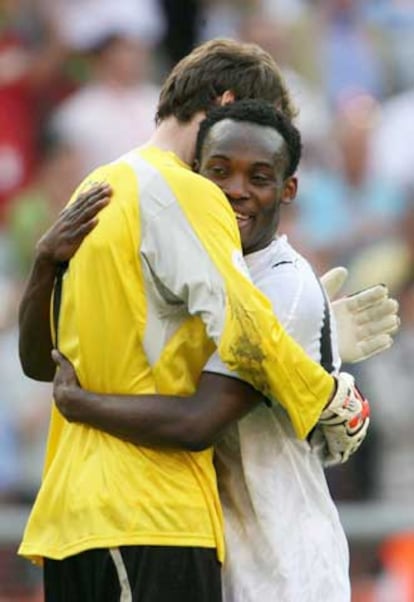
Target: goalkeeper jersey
x=152 y=289
x=272 y=485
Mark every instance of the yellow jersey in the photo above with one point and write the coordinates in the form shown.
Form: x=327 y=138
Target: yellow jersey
x=156 y=286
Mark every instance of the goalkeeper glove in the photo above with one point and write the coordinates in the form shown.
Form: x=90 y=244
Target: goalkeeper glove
x=344 y=423
x=365 y=320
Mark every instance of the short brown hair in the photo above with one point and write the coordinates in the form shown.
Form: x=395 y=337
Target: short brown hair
x=209 y=70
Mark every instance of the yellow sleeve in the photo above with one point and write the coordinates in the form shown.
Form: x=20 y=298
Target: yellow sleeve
x=193 y=248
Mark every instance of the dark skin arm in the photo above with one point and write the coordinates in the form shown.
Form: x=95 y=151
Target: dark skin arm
x=192 y=423
x=57 y=245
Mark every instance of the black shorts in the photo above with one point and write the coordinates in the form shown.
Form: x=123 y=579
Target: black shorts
x=135 y=574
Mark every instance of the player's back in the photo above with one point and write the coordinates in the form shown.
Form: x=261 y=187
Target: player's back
x=126 y=333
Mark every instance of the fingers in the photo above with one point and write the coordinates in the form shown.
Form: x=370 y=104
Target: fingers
x=90 y=204
x=367 y=297
x=87 y=202
x=78 y=232
x=79 y=219
x=374 y=313
x=59 y=358
x=375 y=345
x=387 y=325
x=64 y=237
x=56 y=357
x=92 y=194
x=333 y=280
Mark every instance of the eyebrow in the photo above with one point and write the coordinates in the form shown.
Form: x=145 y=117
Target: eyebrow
x=218 y=156
x=263 y=164
x=255 y=163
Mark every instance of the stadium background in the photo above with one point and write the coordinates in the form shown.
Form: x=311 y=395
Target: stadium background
x=78 y=86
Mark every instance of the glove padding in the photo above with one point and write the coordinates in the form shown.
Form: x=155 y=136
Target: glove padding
x=365 y=320
x=344 y=423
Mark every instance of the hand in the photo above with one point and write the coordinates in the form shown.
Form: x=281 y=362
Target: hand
x=344 y=423
x=75 y=222
x=65 y=385
x=365 y=320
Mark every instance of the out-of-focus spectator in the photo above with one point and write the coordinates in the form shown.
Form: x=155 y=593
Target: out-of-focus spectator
x=395 y=19
x=285 y=12
x=36 y=207
x=24 y=408
x=222 y=18
x=9 y=455
x=280 y=40
x=82 y=24
x=348 y=52
x=389 y=260
x=183 y=23
x=26 y=70
x=392 y=144
x=342 y=208
x=397 y=557
x=388 y=380
x=114 y=112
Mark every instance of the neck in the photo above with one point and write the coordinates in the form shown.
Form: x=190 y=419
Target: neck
x=260 y=245
x=176 y=137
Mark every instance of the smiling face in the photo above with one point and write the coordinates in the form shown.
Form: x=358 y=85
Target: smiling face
x=248 y=162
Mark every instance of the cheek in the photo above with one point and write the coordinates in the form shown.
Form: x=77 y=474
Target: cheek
x=268 y=217
x=217 y=181
x=268 y=205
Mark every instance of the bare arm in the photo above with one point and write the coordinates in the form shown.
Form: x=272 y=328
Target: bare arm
x=192 y=423
x=35 y=338
x=55 y=247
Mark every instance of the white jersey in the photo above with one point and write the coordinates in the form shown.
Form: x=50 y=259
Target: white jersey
x=284 y=539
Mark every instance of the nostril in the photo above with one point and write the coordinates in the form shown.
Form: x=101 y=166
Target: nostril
x=237 y=194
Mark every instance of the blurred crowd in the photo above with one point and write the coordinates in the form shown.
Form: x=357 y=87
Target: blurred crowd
x=79 y=82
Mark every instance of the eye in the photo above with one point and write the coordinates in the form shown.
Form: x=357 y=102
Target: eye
x=260 y=179
x=218 y=171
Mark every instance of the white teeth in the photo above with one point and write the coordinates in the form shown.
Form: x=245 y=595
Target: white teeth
x=242 y=217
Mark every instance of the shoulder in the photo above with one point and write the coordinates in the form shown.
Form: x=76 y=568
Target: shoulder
x=281 y=265
x=289 y=281
x=151 y=164
x=118 y=175
x=205 y=204
x=194 y=182
x=196 y=194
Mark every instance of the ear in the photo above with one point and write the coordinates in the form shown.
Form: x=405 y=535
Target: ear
x=290 y=189
x=196 y=165
x=226 y=98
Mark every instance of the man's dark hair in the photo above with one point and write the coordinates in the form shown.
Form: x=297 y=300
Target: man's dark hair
x=257 y=112
x=219 y=65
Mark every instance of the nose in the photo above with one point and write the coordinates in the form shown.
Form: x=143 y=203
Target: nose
x=236 y=189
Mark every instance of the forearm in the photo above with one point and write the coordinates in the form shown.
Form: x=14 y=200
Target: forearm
x=192 y=423
x=145 y=420
x=54 y=249
x=35 y=337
